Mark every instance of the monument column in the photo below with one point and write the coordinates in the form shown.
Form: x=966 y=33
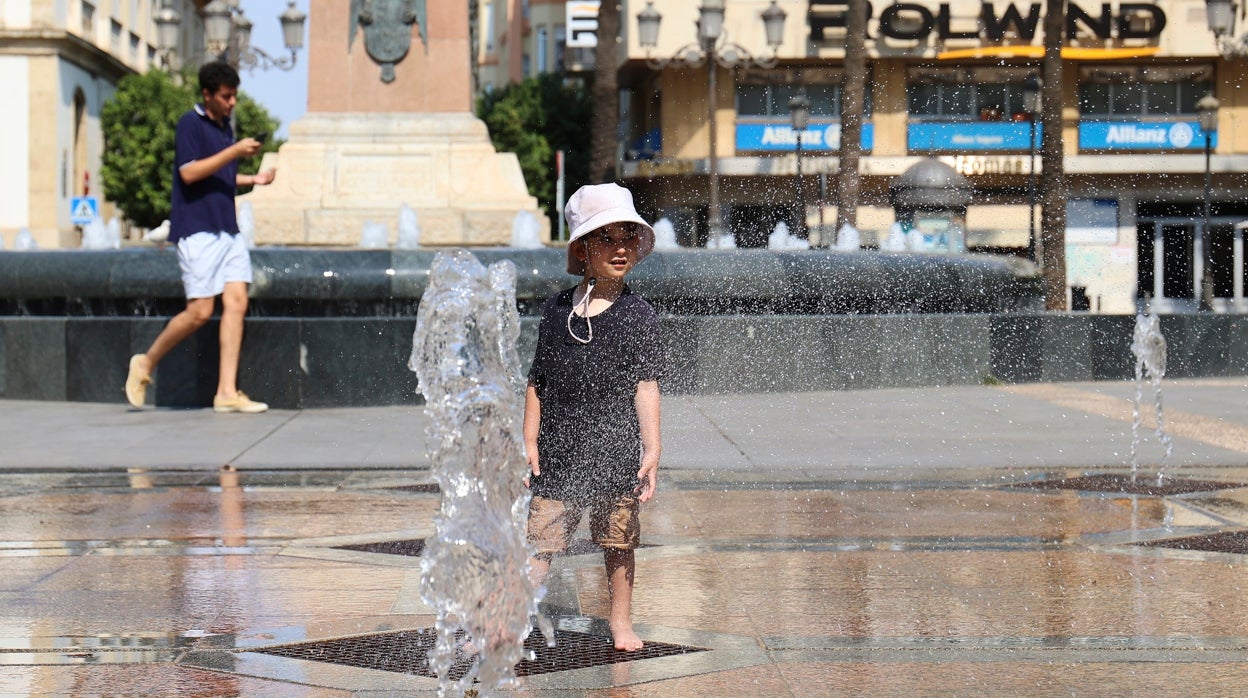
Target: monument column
x=389 y=122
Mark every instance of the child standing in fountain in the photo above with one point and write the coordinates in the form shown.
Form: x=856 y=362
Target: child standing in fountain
x=591 y=411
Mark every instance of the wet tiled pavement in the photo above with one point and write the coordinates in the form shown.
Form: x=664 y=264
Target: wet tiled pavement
x=861 y=543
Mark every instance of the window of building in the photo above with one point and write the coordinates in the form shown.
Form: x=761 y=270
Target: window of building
x=543 y=49
x=88 y=19
x=561 y=46
x=114 y=37
x=765 y=94
x=1142 y=91
x=134 y=48
x=489 y=27
x=967 y=94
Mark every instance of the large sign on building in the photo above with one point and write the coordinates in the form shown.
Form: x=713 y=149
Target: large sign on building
x=972 y=135
x=1143 y=135
x=581 y=17
x=782 y=137
x=915 y=21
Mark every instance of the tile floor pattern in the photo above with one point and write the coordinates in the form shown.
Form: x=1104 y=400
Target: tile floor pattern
x=164 y=583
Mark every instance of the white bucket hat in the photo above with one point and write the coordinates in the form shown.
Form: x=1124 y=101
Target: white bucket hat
x=596 y=205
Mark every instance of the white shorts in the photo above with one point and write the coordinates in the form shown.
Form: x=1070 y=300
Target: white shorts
x=210 y=260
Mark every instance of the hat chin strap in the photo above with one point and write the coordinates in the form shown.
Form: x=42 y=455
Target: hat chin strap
x=584 y=305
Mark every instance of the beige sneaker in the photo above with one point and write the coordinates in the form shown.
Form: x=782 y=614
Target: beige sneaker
x=239 y=403
x=137 y=381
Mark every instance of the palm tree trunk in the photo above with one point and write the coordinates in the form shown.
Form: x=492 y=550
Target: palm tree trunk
x=853 y=91
x=605 y=93
x=1052 y=167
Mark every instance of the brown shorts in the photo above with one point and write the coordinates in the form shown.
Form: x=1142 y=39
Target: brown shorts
x=613 y=523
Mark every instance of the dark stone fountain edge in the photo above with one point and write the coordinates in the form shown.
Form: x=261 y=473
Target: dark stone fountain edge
x=328 y=362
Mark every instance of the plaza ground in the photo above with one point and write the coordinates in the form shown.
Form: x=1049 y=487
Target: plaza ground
x=921 y=541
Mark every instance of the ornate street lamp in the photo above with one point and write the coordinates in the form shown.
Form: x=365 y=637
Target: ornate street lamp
x=1207 y=107
x=167 y=21
x=227 y=34
x=1220 y=15
x=799 y=114
x=712 y=48
x=1033 y=100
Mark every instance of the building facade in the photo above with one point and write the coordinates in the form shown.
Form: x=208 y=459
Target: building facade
x=60 y=61
x=945 y=79
x=518 y=39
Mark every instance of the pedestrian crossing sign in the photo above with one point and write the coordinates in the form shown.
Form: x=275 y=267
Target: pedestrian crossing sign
x=83 y=209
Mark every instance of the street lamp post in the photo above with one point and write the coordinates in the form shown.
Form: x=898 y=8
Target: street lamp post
x=167 y=22
x=227 y=35
x=799 y=113
x=1207 y=107
x=712 y=48
x=1032 y=101
x=1220 y=16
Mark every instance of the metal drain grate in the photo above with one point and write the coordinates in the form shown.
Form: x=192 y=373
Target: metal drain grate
x=1227 y=542
x=406 y=652
x=423 y=488
x=416 y=546
x=1124 y=484
x=410 y=548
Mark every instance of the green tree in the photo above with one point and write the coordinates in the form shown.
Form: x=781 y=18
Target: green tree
x=139 y=123
x=534 y=119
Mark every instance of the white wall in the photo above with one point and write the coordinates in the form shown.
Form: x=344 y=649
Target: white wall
x=14 y=143
x=97 y=91
x=14 y=14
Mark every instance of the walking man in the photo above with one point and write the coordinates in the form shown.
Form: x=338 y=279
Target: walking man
x=213 y=258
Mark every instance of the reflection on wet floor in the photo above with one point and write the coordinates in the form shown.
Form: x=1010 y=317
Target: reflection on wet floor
x=111 y=579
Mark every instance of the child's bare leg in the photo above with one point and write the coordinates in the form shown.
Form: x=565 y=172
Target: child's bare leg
x=539 y=566
x=621 y=566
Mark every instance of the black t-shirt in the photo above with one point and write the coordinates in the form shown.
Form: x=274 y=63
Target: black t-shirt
x=589 y=444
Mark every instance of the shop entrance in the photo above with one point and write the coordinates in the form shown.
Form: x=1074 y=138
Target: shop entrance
x=1170 y=255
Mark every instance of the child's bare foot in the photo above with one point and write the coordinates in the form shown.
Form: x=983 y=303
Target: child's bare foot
x=625 y=639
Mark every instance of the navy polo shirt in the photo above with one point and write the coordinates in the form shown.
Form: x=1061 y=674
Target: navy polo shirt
x=206 y=205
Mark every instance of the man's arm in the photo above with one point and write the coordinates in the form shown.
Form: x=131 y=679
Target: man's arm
x=647 y=401
x=253 y=180
x=201 y=169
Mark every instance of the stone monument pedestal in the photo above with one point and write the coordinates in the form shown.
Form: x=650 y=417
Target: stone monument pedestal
x=340 y=169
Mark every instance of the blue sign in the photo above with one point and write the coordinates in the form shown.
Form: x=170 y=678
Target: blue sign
x=970 y=135
x=1143 y=135
x=778 y=136
x=83 y=209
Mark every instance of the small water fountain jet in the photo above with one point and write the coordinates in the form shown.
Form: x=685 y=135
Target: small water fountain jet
x=915 y=242
x=375 y=236
x=896 y=240
x=724 y=241
x=409 y=229
x=665 y=235
x=25 y=241
x=1149 y=346
x=474 y=571
x=782 y=239
x=848 y=238
x=95 y=235
x=526 y=231
x=246 y=224
x=112 y=233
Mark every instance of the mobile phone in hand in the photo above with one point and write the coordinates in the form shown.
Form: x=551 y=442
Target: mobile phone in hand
x=262 y=136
